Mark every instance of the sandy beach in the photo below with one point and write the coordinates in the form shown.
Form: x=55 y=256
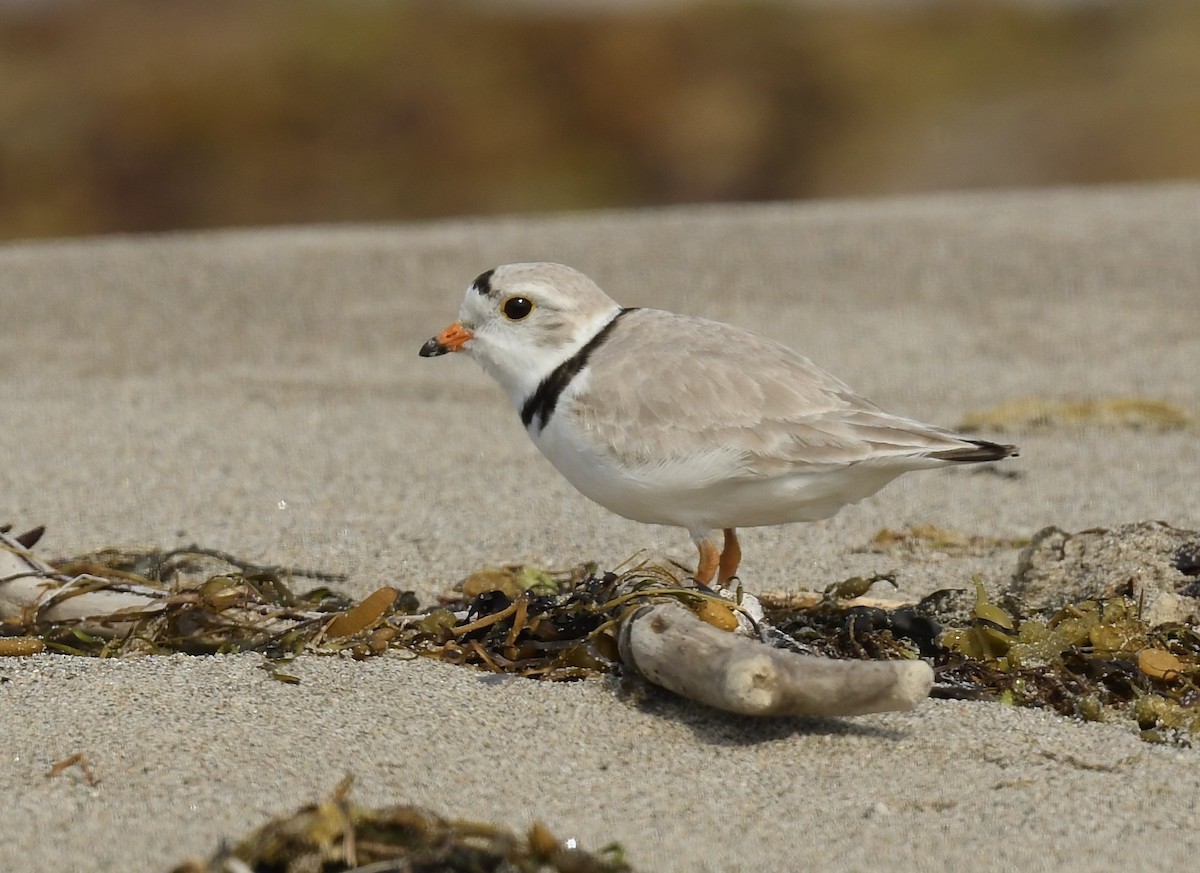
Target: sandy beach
x=259 y=391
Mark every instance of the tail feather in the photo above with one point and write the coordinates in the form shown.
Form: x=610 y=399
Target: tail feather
x=981 y=450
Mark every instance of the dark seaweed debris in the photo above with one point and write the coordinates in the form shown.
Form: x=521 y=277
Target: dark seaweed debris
x=1187 y=562
x=168 y=565
x=514 y=619
x=563 y=625
x=1096 y=659
x=337 y=835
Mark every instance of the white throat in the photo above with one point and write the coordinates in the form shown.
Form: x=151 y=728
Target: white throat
x=522 y=367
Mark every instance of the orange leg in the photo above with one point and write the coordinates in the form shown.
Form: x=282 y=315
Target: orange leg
x=709 y=558
x=730 y=558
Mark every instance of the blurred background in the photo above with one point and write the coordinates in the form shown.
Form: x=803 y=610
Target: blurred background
x=151 y=115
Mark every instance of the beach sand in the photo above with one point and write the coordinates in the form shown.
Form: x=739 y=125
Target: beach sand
x=259 y=391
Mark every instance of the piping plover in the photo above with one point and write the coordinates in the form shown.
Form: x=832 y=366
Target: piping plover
x=676 y=420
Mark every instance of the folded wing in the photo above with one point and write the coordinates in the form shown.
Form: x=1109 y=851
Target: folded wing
x=724 y=389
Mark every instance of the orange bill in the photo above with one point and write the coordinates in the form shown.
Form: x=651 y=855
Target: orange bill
x=452 y=339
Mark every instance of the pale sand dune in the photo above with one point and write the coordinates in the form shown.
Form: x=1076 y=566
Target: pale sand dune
x=260 y=392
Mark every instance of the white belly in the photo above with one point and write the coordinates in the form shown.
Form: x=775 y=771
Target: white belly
x=710 y=491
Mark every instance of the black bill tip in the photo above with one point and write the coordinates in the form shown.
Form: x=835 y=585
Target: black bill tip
x=433 y=348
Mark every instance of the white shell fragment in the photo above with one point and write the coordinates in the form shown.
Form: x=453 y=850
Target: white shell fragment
x=29 y=585
x=31 y=588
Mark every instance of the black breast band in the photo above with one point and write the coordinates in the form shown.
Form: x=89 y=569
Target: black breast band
x=541 y=403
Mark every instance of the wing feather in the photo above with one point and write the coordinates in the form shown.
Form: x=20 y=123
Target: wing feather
x=694 y=386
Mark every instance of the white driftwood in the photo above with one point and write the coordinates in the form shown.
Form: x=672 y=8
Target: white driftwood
x=668 y=645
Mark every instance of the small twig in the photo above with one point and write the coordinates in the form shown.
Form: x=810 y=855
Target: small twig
x=483 y=655
x=247 y=566
x=80 y=759
x=518 y=624
x=486 y=621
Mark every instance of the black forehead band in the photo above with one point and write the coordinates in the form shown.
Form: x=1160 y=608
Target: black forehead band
x=483 y=284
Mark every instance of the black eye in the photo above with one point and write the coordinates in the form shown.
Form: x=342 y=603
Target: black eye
x=516 y=308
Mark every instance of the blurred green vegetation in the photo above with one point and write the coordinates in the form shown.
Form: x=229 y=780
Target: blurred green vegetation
x=132 y=115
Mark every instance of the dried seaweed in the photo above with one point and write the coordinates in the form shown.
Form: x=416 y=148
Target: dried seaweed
x=512 y=619
x=210 y=602
x=561 y=625
x=337 y=835
x=1096 y=659
x=923 y=539
x=1043 y=413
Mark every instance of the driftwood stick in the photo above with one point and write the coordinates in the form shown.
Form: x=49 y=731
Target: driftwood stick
x=670 y=647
